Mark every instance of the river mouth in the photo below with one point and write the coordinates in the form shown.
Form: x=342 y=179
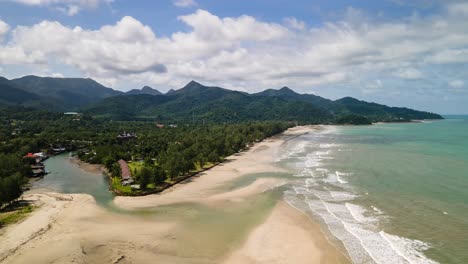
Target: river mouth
x=68 y=177
x=203 y=231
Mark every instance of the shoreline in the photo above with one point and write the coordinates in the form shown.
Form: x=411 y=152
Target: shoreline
x=76 y=229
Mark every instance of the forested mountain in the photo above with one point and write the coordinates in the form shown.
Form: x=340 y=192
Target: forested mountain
x=194 y=103
x=144 y=90
x=61 y=94
x=379 y=112
x=288 y=94
x=198 y=103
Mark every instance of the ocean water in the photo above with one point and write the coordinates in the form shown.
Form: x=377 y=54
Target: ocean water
x=387 y=193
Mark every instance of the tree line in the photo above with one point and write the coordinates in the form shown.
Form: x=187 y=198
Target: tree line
x=170 y=153
x=166 y=153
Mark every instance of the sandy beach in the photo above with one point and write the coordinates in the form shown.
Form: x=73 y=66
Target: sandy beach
x=197 y=221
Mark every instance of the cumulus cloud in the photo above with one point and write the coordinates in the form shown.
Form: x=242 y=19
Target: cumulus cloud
x=184 y=3
x=69 y=7
x=247 y=53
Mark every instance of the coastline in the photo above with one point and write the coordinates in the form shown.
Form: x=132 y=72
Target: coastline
x=72 y=228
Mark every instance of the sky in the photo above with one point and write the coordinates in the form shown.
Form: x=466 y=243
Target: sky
x=395 y=52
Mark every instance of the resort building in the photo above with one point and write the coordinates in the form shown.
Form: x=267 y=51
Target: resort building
x=126 y=175
x=126 y=135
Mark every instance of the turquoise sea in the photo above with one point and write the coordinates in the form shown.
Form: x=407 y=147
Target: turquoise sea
x=388 y=193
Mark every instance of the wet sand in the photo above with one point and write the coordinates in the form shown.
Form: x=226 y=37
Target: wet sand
x=195 y=222
x=91 y=168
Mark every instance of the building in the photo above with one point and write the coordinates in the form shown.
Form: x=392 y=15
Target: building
x=125 y=173
x=125 y=136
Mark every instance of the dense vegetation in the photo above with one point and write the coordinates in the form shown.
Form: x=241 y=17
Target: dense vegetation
x=158 y=156
x=214 y=104
x=193 y=103
x=13 y=174
x=163 y=156
x=55 y=94
x=212 y=123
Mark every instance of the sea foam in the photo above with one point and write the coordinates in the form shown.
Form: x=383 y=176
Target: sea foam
x=330 y=197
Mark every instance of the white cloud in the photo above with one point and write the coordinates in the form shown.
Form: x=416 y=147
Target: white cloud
x=294 y=23
x=4 y=28
x=457 y=84
x=185 y=3
x=73 y=10
x=409 y=74
x=69 y=7
x=449 y=56
x=57 y=75
x=248 y=53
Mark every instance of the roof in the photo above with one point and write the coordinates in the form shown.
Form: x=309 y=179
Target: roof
x=125 y=170
x=29 y=155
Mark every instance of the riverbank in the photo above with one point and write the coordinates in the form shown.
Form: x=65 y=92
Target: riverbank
x=91 y=168
x=197 y=221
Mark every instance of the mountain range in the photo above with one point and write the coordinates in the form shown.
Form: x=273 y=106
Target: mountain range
x=194 y=103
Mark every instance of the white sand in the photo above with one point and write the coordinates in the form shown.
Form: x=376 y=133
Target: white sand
x=286 y=237
x=73 y=229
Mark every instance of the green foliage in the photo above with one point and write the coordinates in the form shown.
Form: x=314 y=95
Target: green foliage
x=55 y=94
x=196 y=103
x=144 y=177
x=14 y=214
x=353 y=119
x=12 y=178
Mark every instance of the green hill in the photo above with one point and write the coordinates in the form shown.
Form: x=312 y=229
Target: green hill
x=63 y=93
x=194 y=103
x=198 y=103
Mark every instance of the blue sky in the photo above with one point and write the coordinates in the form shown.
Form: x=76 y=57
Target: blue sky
x=386 y=51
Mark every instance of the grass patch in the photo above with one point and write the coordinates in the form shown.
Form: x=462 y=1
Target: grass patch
x=135 y=167
x=119 y=188
x=15 y=213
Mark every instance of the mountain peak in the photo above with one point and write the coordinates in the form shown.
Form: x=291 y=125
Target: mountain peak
x=192 y=84
x=286 y=89
x=347 y=99
x=144 y=90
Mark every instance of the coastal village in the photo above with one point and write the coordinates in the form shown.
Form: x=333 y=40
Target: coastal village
x=36 y=160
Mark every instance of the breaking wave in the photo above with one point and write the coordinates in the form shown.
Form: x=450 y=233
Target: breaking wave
x=328 y=194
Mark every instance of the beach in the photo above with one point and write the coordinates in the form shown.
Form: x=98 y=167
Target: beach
x=197 y=221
